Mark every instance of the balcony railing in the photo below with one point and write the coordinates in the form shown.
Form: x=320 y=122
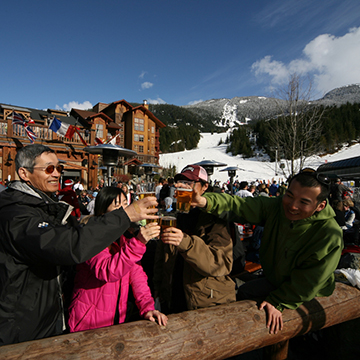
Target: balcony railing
x=41 y=131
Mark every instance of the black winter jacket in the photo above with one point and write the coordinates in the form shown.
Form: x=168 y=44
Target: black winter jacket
x=36 y=238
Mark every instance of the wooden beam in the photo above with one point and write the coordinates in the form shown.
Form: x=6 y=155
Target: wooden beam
x=212 y=333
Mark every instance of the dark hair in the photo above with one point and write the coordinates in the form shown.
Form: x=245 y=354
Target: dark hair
x=105 y=197
x=202 y=182
x=243 y=185
x=27 y=155
x=307 y=179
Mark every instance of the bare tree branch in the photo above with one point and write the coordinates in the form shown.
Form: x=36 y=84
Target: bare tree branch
x=296 y=131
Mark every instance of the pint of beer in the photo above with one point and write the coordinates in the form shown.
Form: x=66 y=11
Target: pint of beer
x=183 y=199
x=167 y=221
x=145 y=194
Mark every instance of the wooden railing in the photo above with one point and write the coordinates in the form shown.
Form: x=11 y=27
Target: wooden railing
x=41 y=131
x=213 y=333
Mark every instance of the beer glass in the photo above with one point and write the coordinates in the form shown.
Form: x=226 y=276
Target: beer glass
x=167 y=221
x=183 y=199
x=143 y=195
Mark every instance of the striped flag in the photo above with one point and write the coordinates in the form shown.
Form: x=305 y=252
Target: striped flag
x=112 y=140
x=30 y=134
x=80 y=137
x=18 y=119
x=61 y=128
x=98 y=141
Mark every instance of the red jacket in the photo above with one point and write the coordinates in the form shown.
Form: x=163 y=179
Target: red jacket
x=99 y=280
x=68 y=195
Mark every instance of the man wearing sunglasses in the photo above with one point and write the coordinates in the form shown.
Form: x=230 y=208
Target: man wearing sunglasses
x=301 y=244
x=37 y=236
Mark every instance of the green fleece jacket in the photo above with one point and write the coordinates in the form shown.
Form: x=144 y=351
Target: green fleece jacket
x=298 y=257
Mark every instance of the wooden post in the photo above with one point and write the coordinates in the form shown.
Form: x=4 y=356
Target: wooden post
x=212 y=333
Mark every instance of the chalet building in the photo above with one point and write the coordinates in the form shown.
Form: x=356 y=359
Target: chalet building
x=131 y=127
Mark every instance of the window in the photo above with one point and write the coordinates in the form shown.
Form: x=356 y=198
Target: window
x=136 y=148
x=138 y=137
x=99 y=131
x=153 y=129
x=141 y=149
x=139 y=124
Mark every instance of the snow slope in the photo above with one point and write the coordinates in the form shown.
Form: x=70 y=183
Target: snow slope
x=257 y=168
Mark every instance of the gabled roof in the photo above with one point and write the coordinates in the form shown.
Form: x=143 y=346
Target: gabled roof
x=133 y=161
x=150 y=115
x=84 y=114
x=140 y=107
x=41 y=115
x=101 y=115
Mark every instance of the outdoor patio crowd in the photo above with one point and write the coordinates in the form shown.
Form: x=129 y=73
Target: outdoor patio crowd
x=74 y=259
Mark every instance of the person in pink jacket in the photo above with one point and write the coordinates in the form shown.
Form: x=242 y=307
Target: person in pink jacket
x=101 y=284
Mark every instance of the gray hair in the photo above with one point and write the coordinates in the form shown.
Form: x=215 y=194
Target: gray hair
x=27 y=155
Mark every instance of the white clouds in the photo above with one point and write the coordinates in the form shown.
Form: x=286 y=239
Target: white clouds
x=141 y=76
x=276 y=69
x=146 y=85
x=156 y=101
x=74 y=104
x=332 y=61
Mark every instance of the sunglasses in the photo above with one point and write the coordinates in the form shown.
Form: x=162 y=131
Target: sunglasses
x=50 y=168
x=321 y=178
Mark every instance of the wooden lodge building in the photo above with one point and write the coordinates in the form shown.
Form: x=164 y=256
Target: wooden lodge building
x=135 y=128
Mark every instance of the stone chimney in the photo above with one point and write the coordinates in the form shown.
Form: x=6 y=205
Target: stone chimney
x=145 y=104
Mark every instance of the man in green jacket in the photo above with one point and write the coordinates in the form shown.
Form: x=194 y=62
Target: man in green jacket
x=301 y=244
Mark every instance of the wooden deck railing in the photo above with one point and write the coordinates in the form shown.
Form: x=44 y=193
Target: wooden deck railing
x=41 y=131
x=212 y=333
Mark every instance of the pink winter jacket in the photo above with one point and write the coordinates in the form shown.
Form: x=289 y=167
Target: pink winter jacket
x=99 y=280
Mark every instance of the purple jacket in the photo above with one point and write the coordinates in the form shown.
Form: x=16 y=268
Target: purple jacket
x=99 y=280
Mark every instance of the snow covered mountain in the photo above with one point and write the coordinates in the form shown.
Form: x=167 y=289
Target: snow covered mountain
x=229 y=112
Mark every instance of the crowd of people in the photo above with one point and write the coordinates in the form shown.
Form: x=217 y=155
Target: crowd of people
x=71 y=257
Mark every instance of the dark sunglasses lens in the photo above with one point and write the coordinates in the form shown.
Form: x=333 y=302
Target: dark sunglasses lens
x=50 y=169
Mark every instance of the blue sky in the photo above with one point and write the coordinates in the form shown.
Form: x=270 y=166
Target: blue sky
x=77 y=53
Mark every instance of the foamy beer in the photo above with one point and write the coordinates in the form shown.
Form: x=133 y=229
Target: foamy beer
x=183 y=199
x=167 y=221
x=145 y=194
x=191 y=176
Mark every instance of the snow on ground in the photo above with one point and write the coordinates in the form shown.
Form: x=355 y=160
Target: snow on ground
x=257 y=168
